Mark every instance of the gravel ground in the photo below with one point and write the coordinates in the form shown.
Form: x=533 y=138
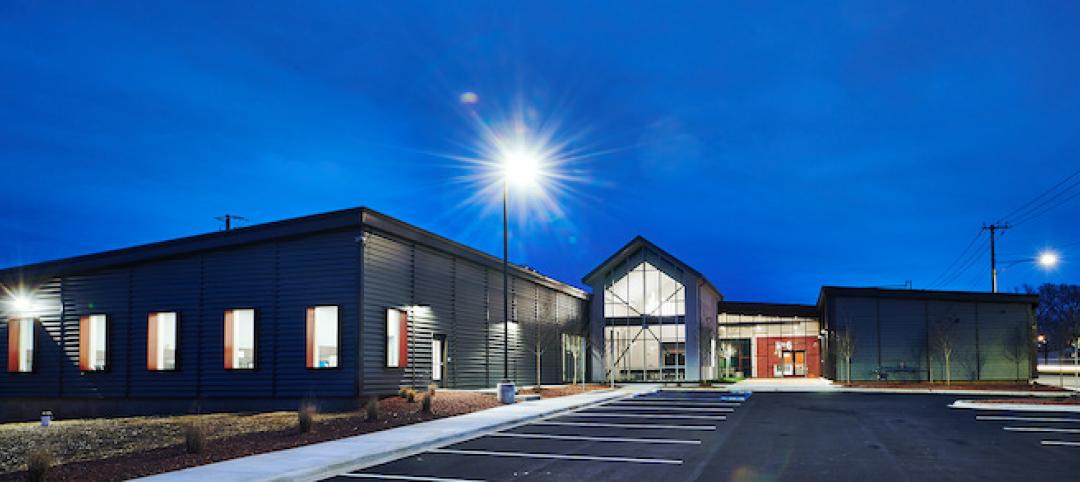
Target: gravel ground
x=551 y=392
x=122 y=448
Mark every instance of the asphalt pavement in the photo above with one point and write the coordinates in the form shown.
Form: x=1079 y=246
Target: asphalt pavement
x=707 y=436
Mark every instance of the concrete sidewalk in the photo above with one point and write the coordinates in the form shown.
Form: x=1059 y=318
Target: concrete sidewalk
x=1015 y=407
x=315 y=461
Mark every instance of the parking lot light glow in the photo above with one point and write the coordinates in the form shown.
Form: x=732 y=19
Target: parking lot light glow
x=1048 y=259
x=521 y=166
x=21 y=303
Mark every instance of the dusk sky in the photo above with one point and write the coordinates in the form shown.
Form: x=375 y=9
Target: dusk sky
x=776 y=147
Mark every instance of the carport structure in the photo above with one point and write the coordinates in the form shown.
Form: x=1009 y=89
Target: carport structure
x=648 y=436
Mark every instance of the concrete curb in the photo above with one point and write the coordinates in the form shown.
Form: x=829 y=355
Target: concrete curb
x=996 y=393
x=1014 y=407
x=327 y=459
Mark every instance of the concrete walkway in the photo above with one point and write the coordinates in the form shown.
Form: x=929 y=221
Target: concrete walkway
x=1015 y=407
x=784 y=385
x=326 y=459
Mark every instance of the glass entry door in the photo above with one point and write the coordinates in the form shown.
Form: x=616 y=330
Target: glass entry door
x=793 y=363
x=438 y=358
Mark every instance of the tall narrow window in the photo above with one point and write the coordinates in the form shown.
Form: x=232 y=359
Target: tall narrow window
x=161 y=341
x=322 y=337
x=93 y=332
x=240 y=339
x=397 y=338
x=20 y=345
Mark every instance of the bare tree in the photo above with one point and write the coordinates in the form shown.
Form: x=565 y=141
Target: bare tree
x=547 y=336
x=1017 y=345
x=942 y=340
x=844 y=342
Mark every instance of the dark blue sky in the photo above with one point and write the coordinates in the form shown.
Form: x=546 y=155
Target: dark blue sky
x=774 y=147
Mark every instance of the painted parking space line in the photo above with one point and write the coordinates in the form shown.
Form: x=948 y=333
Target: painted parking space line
x=692 y=404
x=627 y=425
x=1041 y=429
x=684 y=400
x=1005 y=418
x=528 y=455
x=407 y=477
x=590 y=438
x=650 y=415
x=674 y=409
x=1063 y=443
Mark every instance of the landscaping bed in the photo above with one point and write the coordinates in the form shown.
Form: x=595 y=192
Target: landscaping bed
x=1002 y=386
x=124 y=448
x=552 y=392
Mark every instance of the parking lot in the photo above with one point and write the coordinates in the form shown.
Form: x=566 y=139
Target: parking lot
x=675 y=436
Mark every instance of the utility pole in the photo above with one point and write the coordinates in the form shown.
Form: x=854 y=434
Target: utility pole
x=228 y=219
x=993 y=228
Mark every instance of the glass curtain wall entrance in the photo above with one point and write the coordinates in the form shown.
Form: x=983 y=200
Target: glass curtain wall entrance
x=645 y=332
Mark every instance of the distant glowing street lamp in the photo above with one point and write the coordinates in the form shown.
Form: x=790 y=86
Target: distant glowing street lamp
x=1048 y=259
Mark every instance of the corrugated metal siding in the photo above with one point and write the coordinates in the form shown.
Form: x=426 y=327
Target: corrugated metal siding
x=550 y=338
x=860 y=315
x=312 y=271
x=238 y=278
x=468 y=349
x=169 y=285
x=1004 y=341
x=434 y=287
x=387 y=283
x=903 y=339
x=497 y=331
x=464 y=302
x=45 y=380
x=108 y=293
x=963 y=361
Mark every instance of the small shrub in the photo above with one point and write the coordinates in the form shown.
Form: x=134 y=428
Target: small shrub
x=38 y=464
x=431 y=389
x=403 y=392
x=305 y=417
x=425 y=403
x=194 y=438
x=410 y=395
x=372 y=409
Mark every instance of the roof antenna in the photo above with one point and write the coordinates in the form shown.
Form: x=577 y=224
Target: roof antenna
x=228 y=220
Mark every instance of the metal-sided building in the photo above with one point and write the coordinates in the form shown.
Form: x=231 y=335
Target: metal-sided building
x=904 y=334
x=338 y=306
x=330 y=307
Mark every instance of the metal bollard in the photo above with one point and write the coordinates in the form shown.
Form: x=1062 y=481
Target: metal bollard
x=46 y=418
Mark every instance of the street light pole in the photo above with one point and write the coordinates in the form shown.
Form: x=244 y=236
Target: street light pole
x=506 y=287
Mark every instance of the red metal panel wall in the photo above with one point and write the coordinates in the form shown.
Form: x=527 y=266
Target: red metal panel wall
x=768 y=356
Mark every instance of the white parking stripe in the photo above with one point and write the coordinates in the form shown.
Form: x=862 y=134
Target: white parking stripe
x=1061 y=442
x=650 y=415
x=672 y=409
x=628 y=425
x=597 y=439
x=407 y=477
x=594 y=458
x=1027 y=419
x=665 y=399
x=692 y=404
x=1042 y=429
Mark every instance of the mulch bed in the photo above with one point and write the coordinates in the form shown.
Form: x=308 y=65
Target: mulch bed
x=1023 y=387
x=552 y=392
x=395 y=412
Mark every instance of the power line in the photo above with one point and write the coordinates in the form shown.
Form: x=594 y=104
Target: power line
x=967 y=264
x=1034 y=215
x=1024 y=207
x=956 y=260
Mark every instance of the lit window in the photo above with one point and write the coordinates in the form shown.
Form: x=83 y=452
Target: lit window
x=161 y=341
x=397 y=336
x=92 y=343
x=644 y=291
x=20 y=345
x=322 y=337
x=240 y=339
